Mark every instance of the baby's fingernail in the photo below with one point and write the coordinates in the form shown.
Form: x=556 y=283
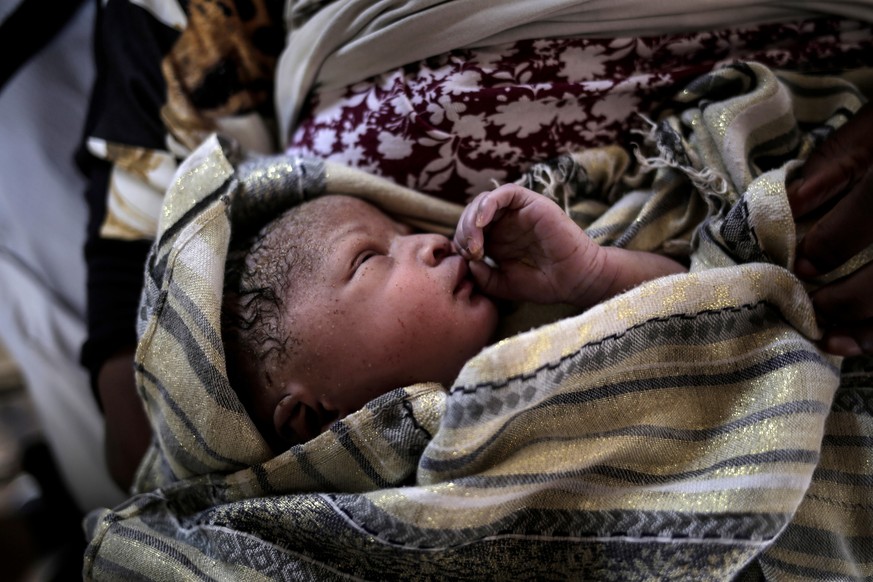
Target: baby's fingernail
x=804 y=269
x=470 y=245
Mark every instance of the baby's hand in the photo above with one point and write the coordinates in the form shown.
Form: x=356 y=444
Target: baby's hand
x=541 y=255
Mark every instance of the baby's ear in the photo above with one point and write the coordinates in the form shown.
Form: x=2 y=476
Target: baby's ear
x=298 y=417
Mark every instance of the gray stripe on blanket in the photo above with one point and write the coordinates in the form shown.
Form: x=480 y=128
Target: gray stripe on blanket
x=621 y=234
x=197 y=315
x=734 y=79
x=779 y=149
x=308 y=545
x=821 y=90
x=470 y=404
x=489 y=402
x=738 y=235
x=637 y=478
x=855 y=399
x=309 y=469
x=648 y=431
x=105 y=566
x=844 y=478
x=213 y=381
x=826 y=544
x=395 y=420
x=263 y=557
x=215 y=536
x=270 y=185
x=341 y=430
x=159 y=545
x=565 y=523
x=839 y=440
x=180 y=452
x=775 y=569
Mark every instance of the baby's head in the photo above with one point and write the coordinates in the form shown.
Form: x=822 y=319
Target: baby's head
x=335 y=303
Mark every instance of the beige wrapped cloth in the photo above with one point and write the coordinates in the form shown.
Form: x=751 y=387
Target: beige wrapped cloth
x=686 y=430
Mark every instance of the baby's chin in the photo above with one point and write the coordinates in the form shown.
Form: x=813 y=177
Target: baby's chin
x=472 y=350
x=496 y=309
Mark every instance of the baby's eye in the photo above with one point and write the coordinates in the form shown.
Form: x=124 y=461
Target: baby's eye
x=363 y=258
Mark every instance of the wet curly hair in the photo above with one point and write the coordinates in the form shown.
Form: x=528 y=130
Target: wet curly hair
x=264 y=273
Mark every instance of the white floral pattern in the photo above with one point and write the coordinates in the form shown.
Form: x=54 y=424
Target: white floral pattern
x=453 y=125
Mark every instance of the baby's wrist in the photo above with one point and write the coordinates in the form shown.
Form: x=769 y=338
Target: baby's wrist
x=594 y=277
x=624 y=269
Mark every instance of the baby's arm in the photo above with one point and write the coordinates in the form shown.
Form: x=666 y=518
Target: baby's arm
x=542 y=255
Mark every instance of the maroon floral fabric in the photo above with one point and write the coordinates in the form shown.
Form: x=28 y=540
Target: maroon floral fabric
x=454 y=125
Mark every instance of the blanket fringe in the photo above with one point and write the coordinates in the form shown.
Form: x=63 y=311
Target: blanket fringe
x=673 y=155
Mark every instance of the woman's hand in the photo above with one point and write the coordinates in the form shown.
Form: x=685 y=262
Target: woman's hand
x=835 y=190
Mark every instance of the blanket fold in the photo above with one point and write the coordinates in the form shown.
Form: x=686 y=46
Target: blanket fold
x=688 y=429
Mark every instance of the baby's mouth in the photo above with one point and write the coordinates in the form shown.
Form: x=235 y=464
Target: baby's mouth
x=463 y=282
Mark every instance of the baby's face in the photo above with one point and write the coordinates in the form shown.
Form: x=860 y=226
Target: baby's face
x=387 y=308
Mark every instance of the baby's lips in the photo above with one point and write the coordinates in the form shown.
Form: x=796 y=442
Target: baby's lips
x=460 y=274
x=479 y=272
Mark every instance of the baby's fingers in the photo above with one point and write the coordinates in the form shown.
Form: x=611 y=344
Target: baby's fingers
x=489 y=209
x=484 y=276
x=482 y=211
x=489 y=204
x=470 y=238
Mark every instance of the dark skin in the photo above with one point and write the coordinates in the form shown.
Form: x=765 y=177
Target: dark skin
x=127 y=429
x=833 y=190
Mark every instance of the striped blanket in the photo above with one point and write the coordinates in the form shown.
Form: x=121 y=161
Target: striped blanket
x=688 y=429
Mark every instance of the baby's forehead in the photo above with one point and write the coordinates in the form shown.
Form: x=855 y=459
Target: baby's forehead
x=349 y=208
x=320 y=225
x=338 y=215
x=322 y=215
x=316 y=235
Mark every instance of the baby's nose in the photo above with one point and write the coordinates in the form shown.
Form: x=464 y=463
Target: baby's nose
x=435 y=248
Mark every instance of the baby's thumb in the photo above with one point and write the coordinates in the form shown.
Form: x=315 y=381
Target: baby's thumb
x=485 y=276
